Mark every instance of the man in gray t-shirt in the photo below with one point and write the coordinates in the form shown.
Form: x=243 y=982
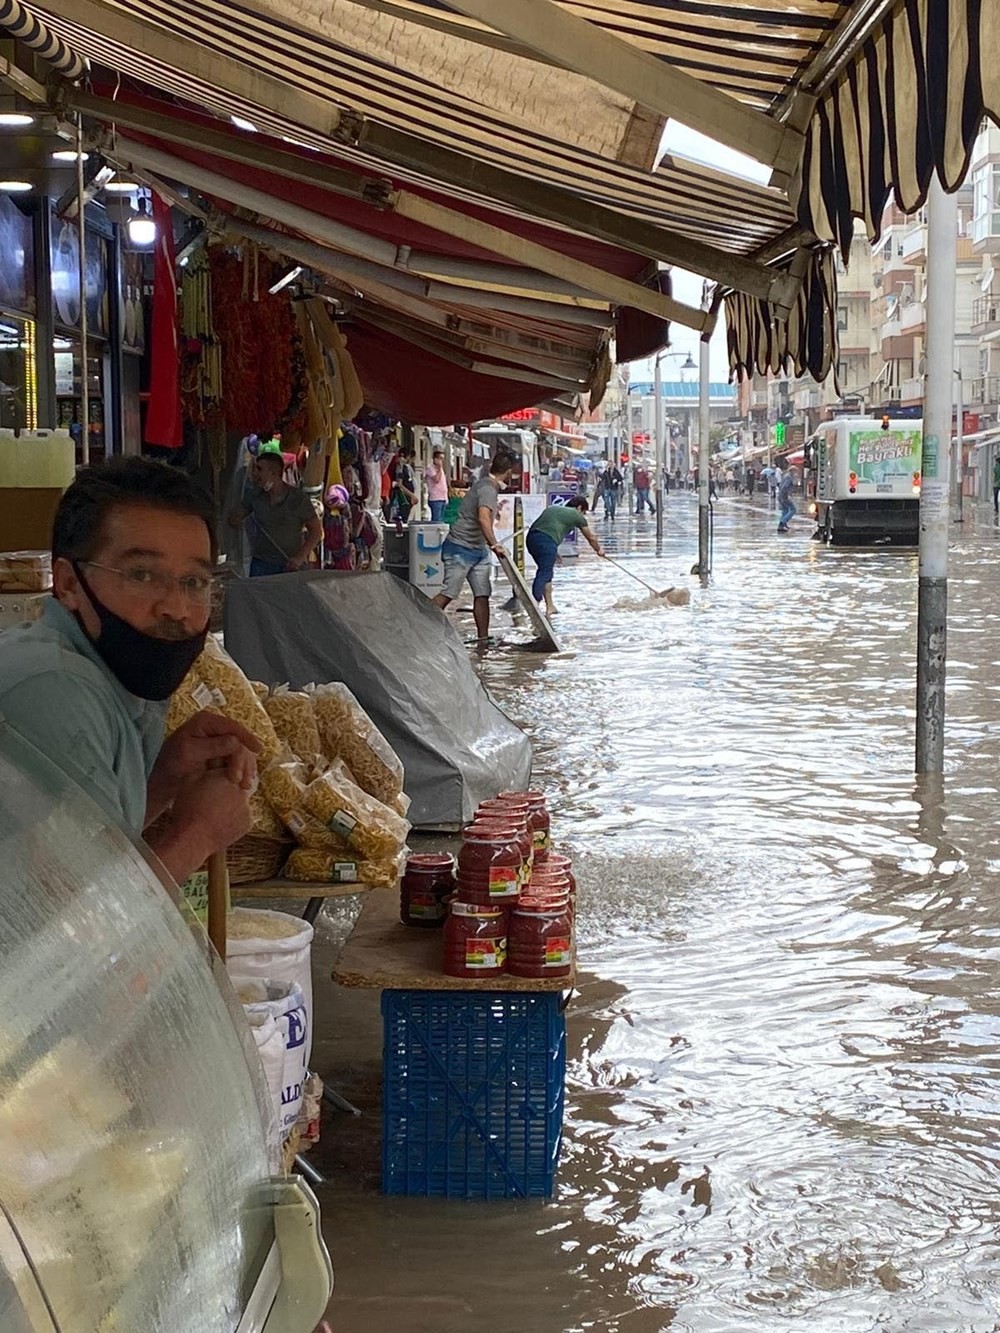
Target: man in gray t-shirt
x=287 y=527
x=470 y=541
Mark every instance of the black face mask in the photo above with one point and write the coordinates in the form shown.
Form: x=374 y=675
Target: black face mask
x=148 y=667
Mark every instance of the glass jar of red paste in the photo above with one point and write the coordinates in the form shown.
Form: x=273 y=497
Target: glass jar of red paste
x=427 y=883
x=539 y=820
x=475 y=941
x=540 y=942
x=520 y=832
x=490 y=864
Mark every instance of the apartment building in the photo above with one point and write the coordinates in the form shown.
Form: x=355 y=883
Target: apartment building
x=984 y=389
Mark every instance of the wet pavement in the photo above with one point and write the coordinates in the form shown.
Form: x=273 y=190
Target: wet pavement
x=782 y=1096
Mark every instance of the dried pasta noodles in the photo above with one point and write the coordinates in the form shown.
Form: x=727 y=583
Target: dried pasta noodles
x=266 y=823
x=317 y=867
x=283 y=782
x=339 y=803
x=235 y=698
x=346 y=731
x=291 y=712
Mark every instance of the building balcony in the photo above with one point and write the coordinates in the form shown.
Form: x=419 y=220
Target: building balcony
x=897 y=347
x=913 y=318
x=984 y=391
x=915 y=245
x=911 y=392
x=985 y=314
x=891 y=328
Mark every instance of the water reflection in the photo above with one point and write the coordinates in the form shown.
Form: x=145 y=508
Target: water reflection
x=781 y=1094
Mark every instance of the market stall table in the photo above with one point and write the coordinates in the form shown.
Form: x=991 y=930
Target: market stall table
x=473 y=1072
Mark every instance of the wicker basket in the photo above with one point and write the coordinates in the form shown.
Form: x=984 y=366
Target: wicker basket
x=254 y=857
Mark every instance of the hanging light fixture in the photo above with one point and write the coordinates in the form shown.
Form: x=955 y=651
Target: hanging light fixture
x=141 y=227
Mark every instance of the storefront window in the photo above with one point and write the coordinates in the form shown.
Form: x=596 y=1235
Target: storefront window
x=18 y=367
x=69 y=393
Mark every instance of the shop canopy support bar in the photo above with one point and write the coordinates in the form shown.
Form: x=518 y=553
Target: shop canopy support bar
x=444 y=165
x=605 y=286
x=572 y=43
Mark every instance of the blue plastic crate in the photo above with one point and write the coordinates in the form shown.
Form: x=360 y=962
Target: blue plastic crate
x=472 y=1097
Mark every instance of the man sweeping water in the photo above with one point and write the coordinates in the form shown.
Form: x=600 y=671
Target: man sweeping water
x=545 y=536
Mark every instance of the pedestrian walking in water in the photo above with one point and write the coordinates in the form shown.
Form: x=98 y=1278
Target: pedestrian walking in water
x=545 y=536
x=750 y=481
x=607 y=490
x=996 y=485
x=785 y=497
x=641 y=481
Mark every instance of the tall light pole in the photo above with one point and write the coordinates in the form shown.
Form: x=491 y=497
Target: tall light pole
x=932 y=586
x=659 y=427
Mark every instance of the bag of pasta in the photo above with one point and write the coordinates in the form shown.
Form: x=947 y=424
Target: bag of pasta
x=234 y=697
x=284 y=783
x=310 y=866
x=318 y=867
x=316 y=837
x=347 y=732
x=291 y=712
x=187 y=701
x=266 y=823
x=341 y=806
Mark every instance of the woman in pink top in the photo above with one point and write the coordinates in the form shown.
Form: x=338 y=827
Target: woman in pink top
x=437 y=486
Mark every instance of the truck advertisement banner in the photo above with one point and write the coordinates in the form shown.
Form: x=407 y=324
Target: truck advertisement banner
x=881 y=456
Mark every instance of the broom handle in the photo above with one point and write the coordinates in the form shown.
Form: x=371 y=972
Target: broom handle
x=218 y=892
x=625 y=570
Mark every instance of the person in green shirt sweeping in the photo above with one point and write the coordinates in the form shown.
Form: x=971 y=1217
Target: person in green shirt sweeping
x=545 y=535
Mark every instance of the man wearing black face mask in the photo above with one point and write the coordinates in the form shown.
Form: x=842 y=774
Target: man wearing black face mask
x=133 y=549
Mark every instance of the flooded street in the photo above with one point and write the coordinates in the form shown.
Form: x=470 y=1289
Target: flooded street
x=782 y=1095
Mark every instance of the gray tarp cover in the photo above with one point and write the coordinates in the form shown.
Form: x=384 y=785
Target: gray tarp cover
x=408 y=668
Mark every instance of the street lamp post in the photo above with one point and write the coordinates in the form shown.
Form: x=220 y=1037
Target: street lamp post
x=659 y=428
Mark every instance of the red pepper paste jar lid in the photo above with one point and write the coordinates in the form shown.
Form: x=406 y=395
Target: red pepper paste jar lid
x=493 y=831
x=430 y=863
x=557 y=905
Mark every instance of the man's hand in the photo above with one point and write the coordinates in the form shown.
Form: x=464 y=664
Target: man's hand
x=210 y=813
x=206 y=741
x=296 y=563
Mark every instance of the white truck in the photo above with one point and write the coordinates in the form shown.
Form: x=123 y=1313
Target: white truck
x=863 y=480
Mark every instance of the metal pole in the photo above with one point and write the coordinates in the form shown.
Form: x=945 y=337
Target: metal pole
x=932 y=595
x=704 y=423
x=960 y=444
x=658 y=454
x=81 y=199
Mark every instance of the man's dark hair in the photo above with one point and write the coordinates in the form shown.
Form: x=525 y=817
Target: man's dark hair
x=578 y=502
x=79 y=520
x=275 y=458
x=502 y=462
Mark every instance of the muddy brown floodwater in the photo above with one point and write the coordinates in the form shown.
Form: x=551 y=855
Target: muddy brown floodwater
x=782 y=1097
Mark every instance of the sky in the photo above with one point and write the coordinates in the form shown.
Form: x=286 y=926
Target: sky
x=681 y=141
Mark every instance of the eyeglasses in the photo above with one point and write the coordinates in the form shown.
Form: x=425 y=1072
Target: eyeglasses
x=150 y=585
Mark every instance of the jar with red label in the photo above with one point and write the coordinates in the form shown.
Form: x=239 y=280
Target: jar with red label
x=540 y=942
x=490 y=864
x=520 y=828
x=475 y=941
x=427 y=883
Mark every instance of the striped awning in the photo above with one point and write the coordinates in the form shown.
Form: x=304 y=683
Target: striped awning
x=908 y=105
x=845 y=100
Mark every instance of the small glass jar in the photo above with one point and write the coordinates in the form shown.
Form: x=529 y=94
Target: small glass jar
x=541 y=940
x=427 y=883
x=490 y=864
x=475 y=941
